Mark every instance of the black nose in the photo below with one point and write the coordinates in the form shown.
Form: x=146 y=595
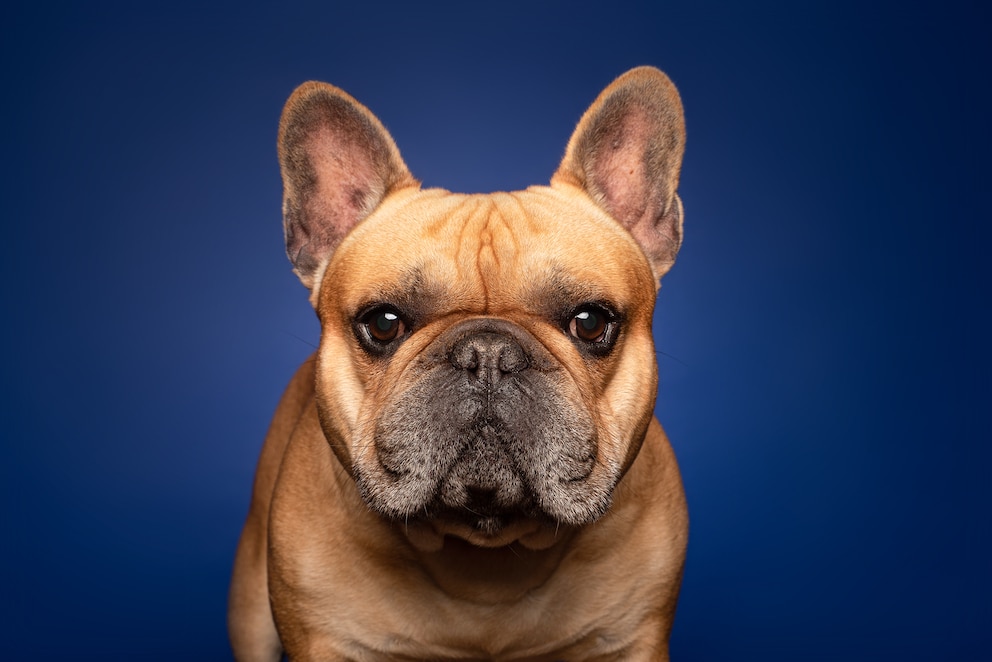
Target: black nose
x=488 y=356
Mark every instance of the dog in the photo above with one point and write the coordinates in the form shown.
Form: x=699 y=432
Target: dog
x=469 y=467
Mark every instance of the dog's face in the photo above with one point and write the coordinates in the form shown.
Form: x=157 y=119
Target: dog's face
x=486 y=366
x=487 y=361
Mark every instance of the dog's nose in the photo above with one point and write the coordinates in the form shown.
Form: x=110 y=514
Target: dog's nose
x=487 y=356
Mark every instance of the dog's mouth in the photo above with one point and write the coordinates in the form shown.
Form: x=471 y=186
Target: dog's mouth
x=481 y=522
x=484 y=518
x=482 y=530
x=484 y=499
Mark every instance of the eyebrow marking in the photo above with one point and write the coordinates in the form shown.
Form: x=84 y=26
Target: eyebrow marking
x=559 y=293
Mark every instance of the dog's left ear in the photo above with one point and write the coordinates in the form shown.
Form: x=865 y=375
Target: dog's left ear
x=626 y=153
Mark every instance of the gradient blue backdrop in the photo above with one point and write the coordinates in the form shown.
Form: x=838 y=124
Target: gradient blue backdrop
x=825 y=366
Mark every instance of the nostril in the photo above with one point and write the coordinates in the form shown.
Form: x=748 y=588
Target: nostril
x=464 y=356
x=512 y=358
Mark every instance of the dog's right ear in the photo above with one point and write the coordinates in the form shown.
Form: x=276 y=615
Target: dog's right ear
x=338 y=162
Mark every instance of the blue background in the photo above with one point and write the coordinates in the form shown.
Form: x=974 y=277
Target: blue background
x=824 y=334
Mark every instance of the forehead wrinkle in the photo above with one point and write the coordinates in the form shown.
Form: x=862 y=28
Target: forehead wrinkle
x=500 y=218
x=499 y=246
x=458 y=234
x=506 y=199
x=473 y=239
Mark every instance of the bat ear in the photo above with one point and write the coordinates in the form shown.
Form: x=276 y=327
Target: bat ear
x=338 y=163
x=626 y=154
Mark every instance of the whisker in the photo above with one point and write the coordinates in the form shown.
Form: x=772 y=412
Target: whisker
x=669 y=356
x=302 y=340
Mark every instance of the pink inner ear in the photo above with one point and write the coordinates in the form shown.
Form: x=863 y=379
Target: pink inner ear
x=631 y=176
x=347 y=182
x=619 y=171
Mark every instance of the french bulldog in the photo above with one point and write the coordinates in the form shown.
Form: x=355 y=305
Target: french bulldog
x=469 y=467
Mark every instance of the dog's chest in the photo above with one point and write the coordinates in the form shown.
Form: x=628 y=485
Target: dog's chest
x=568 y=624
x=497 y=639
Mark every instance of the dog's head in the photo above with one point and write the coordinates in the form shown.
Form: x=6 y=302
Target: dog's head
x=486 y=367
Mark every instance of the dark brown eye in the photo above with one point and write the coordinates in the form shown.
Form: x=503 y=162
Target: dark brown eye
x=383 y=325
x=590 y=325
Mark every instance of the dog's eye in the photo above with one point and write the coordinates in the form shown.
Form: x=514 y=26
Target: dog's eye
x=385 y=326
x=382 y=325
x=592 y=324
